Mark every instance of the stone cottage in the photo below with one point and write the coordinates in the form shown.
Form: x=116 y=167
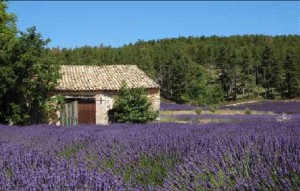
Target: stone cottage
x=89 y=91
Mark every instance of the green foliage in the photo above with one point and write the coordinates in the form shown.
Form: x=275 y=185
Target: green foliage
x=248 y=111
x=28 y=74
x=149 y=170
x=53 y=104
x=9 y=172
x=290 y=86
x=213 y=108
x=8 y=28
x=132 y=105
x=146 y=170
x=72 y=150
x=198 y=111
x=268 y=73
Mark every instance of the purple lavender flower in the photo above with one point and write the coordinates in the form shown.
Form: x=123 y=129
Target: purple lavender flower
x=250 y=154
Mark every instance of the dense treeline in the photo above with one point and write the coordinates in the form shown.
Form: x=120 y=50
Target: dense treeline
x=206 y=70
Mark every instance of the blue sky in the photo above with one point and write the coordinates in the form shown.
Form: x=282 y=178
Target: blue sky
x=70 y=24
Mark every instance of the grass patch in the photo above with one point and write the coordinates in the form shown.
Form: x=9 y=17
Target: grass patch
x=71 y=151
x=148 y=170
x=145 y=171
x=9 y=173
x=180 y=112
x=211 y=120
x=248 y=111
x=167 y=120
x=152 y=171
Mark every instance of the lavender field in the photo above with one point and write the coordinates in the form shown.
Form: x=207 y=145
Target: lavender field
x=247 y=155
x=175 y=107
x=216 y=118
x=290 y=107
x=258 y=111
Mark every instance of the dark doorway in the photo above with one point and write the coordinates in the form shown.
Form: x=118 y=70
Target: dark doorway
x=86 y=111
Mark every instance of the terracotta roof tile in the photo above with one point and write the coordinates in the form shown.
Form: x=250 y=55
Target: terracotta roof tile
x=108 y=77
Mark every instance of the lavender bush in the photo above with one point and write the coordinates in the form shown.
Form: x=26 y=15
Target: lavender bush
x=23 y=169
x=176 y=107
x=248 y=155
x=290 y=107
x=192 y=118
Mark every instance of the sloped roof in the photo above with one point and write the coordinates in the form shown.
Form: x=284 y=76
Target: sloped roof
x=108 y=77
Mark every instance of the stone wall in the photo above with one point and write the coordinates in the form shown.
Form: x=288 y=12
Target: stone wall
x=104 y=101
x=154 y=97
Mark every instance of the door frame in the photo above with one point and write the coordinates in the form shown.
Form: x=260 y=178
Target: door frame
x=91 y=101
x=69 y=113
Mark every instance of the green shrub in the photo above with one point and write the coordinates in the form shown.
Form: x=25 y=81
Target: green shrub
x=213 y=109
x=248 y=111
x=198 y=111
x=132 y=105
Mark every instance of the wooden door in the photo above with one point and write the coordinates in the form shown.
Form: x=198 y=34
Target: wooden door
x=87 y=111
x=69 y=115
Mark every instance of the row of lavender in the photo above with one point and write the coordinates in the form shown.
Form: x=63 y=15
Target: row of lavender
x=253 y=155
x=196 y=119
x=175 y=107
x=291 y=107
